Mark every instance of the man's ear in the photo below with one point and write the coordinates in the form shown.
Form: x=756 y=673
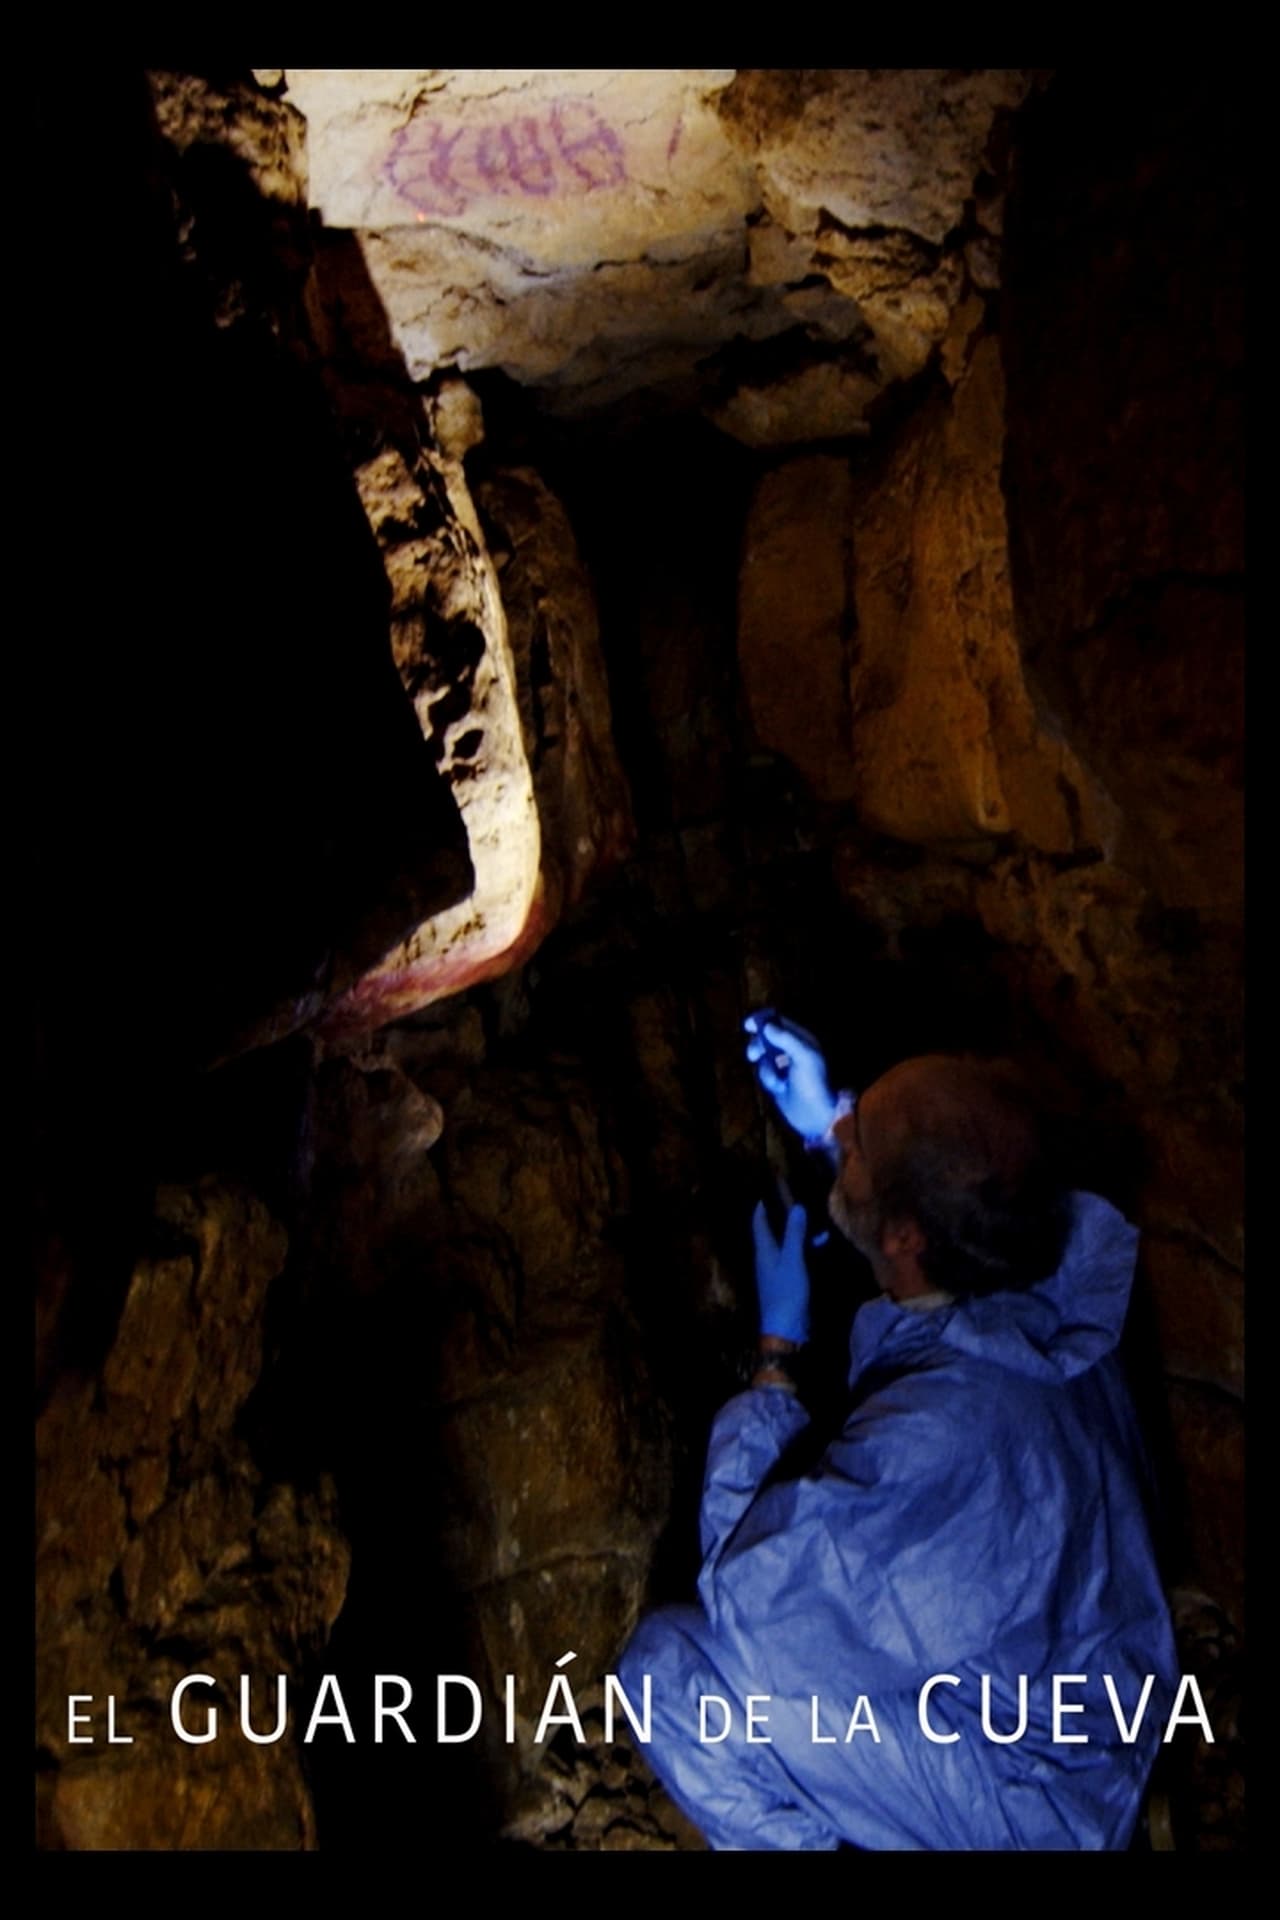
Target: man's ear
x=903 y=1238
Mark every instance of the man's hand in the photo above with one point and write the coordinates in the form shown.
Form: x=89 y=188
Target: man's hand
x=790 y=1067
x=782 y=1279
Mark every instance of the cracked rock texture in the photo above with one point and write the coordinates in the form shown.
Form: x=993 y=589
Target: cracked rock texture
x=514 y=1372
x=273 y=885
x=449 y=642
x=894 y=681
x=877 y=637
x=504 y=668
x=1019 y=653
x=587 y=231
x=584 y=805
x=162 y=1551
x=518 y=750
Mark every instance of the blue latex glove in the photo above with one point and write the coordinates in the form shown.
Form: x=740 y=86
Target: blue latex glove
x=782 y=1279
x=790 y=1066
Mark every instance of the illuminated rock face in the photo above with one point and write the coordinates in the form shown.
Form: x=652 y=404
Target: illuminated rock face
x=593 y=232
x=520 y=739
x=552 y=164
x=598 y=232
x=584 y=806
x=449 y=640
x=514 y=703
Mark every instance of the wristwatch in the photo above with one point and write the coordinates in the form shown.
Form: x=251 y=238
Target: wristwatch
x=785 y=1365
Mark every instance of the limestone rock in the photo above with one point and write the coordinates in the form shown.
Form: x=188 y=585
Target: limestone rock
x=905 y=291
x=949 y=745
x=531 y=219
x=793 y=614
x=583 y=338
x=565 y=166
x=161 y=1552
x=1211 y=1816
x=509 y=688
x=838 y=154
x=826 y=401
x=604 y=1798
x=379 y=1128
x=490 y=1301
x=249 y=787
x=207 y=1304
x=1077 y=617
x=225 y=1796
x=450 y=644
x=584 y=808
x=506 y=674
x=267 y=137
x=540 y=1476
x=596 y=233
x=1080 y=934
x=877 y=641
x=589 y=1602
x=847 y=141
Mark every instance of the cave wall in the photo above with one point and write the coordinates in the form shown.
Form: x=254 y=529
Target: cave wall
x=771 y=248
x=236 y=815
x=1037 y=612
x=931 y=737
x=1033 y=600
x=165 y=1551
x=1127 y=546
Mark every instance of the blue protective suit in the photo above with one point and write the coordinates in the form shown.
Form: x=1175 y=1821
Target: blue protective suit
x=982 y=1512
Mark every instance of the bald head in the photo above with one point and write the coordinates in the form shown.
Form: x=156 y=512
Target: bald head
x=949 y=1147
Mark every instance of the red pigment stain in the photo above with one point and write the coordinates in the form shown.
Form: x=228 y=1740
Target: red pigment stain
x=381 y=997
x=674 y=141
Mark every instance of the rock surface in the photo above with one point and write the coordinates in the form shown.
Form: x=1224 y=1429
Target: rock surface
x=1012 y=642
x=1124 y=461
x=218 y=798
x=449 y=641
x=584 y=807
x=958 y=764
x=587 y=231
x=877 y=640
x=504 y=668
x=161 y=1551
x=514 y=1368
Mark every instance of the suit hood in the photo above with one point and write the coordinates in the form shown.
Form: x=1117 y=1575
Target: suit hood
x=1053 y=1331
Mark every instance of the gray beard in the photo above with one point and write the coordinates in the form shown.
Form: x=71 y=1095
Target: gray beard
x=857 y=1224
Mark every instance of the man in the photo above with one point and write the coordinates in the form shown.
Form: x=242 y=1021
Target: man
x=907 y=1647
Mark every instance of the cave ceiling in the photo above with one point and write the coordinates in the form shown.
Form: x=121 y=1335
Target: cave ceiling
x=778 y=249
